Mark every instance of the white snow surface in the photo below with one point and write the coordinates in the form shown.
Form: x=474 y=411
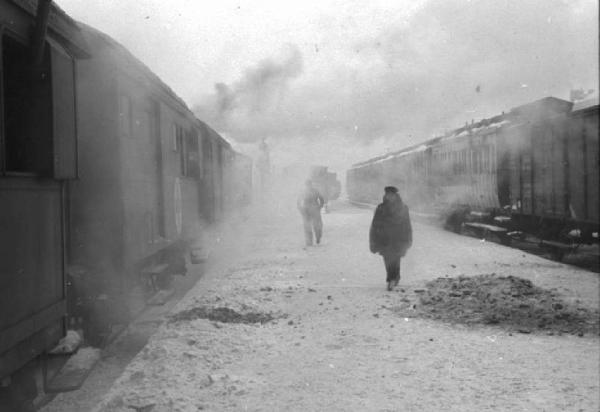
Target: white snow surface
x=337 y=345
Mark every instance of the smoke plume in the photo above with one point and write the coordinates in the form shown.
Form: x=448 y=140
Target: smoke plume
x=260 y=91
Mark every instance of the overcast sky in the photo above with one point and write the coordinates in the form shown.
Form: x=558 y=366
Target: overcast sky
x=337 y=82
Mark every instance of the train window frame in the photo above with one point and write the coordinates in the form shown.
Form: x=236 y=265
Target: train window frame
x=178 y=142
x=39 y=161
x=174 y=137
x=192 y=155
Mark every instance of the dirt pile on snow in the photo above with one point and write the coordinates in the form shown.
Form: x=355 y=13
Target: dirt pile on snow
x=221 y=314
x=510 y=302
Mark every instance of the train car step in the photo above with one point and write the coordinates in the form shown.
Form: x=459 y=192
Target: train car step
x=161 y=297
x=483 y=226
x=483 y=229
x=74 y=372
x=153 y=273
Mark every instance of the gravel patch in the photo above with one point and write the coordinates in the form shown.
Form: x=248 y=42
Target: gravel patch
x=221 y=314
x=507 y=301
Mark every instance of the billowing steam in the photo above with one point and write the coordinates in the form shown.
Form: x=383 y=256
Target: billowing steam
x=371 y=86
x=260 y=91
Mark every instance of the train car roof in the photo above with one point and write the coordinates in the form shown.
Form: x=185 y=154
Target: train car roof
x=61 y=26
x=127 y=61
x=214 y=134
x=135 y=66
x=546 y=105
x=398 y=153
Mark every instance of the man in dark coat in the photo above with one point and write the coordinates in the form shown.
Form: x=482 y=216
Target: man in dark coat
x=391 y=233
x=309 y=204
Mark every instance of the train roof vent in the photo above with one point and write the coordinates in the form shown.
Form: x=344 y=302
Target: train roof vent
x=545 y=106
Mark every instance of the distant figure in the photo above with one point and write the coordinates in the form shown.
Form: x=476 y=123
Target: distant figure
x=309 y=204
x=391 y=233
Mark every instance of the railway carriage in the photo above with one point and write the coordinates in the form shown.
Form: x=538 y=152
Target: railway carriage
x=534 y=169
x=151 y=175
x=106 y=179
x=39 y=46
x=536 y=147
x=583 y=158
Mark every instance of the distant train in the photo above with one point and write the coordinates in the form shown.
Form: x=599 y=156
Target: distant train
x=293 y=177
x=326 y=182
x=107 y=179
x=532 y=170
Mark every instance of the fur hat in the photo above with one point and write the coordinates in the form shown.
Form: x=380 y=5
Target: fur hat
x=390 y=189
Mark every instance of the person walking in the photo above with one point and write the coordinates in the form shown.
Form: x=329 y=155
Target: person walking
x=391 y=233
x=309 y=204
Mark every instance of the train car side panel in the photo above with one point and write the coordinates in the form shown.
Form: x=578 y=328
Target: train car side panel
x=31 y=265
x=37 y=147
x=583 y=162
x=592 y=164
x=96 y=208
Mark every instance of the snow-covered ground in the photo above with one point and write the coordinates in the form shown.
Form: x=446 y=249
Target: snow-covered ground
x=337 y=344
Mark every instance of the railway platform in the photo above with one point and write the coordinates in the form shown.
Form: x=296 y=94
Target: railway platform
x=275 y=326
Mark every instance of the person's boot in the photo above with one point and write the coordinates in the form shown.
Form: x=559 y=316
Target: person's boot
x=390 y=285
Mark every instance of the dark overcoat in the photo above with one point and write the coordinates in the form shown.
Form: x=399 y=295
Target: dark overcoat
x=391 y=231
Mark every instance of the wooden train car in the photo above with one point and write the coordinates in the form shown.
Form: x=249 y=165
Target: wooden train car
x=583 y=158
x=101 y=195
x=150 y=176
x=37 y=159
x=533 y=169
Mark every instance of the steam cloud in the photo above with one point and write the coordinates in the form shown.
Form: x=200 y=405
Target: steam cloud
x=449 y=62
x=232 y=108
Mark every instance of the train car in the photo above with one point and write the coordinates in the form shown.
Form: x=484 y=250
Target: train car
x=534 y=149
x=364 y=181
x=38 y=146
x=583 y=158
x=137 y=159
x=213 y=169
x=552 y=172
x=106 y=179
x=533 y=169
x=151 y=176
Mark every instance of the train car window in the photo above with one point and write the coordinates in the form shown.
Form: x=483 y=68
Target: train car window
x=182 y=149
x=179 y=145
x=193 y=159
x=174 y=134
x=481 y=161
x=486 y=160
x=467 y=160
x=27 y=109
x=207 y=156
x=63 y=114
x=483 y=157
